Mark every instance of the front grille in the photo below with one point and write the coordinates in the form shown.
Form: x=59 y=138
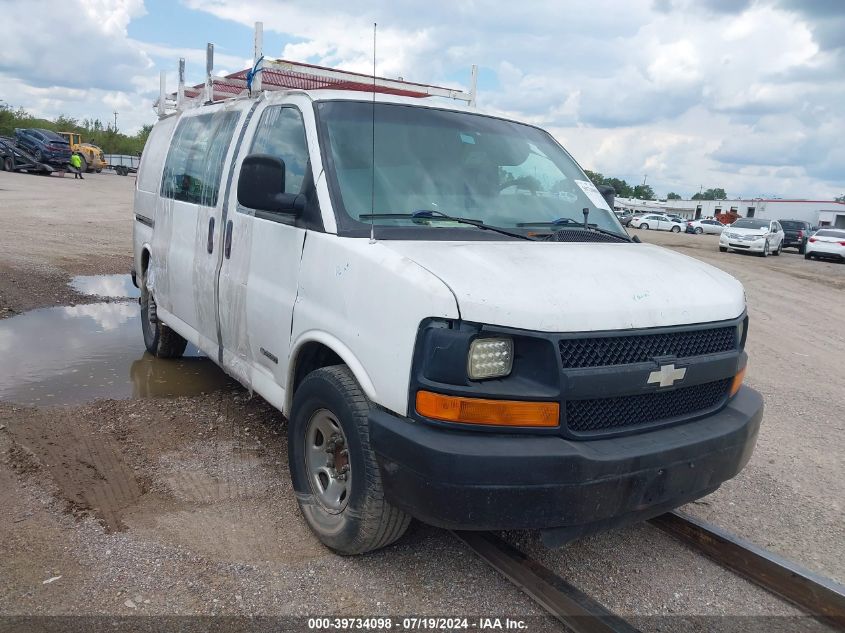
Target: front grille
x=640 y=348
x=624 y=411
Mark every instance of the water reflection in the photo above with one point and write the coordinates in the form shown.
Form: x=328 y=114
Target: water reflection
x=112 y=286
x=71 y=355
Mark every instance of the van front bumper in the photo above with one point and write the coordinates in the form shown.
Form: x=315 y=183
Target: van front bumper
x=484 y=481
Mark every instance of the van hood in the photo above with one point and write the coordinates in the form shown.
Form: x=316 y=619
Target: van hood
x=571 y=287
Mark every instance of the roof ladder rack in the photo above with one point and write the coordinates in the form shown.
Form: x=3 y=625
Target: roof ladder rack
x=278 y=74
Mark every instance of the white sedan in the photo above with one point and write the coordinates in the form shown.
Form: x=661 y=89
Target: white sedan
x=826 y=243
x=763 y=237
x=658 y=222
x=707 y=226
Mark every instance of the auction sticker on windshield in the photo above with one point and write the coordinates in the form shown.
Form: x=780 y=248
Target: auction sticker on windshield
x=593 y=194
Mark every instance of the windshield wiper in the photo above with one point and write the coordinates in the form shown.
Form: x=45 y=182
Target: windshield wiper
x=570 y=222
x=431 y=214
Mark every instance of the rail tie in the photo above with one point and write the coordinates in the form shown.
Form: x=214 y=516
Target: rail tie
x=819 y=596
x=569 y=605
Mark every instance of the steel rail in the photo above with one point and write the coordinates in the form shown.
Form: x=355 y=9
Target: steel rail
x=819 y=596
x=569 y=605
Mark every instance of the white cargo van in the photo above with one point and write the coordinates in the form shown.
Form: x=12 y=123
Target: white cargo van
x=447 y=312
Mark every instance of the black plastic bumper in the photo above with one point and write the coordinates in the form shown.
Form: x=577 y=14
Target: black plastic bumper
x=482 y=481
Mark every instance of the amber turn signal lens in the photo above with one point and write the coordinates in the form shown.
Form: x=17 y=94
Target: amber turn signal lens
x=737 y=382
x=492 y=412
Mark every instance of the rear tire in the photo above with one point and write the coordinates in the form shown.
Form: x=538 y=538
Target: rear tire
x=359 y=519
x=83 y=166
x=159 y=339
x=723 y=249
x=808 y=256
x=39 y=157
x=801 y=249
x=8 y=164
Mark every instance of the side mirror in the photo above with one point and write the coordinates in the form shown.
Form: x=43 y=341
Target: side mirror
x=608 y=193
x=261 y=186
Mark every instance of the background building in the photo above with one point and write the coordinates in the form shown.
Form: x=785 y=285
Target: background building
x=816 y=212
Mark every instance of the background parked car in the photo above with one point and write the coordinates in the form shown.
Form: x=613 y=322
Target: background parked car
x=826 y=243
x=756 y=235
x=796 y=233
x=705 y=226
x=44 y=145
x=657 y=222
x=625 y=217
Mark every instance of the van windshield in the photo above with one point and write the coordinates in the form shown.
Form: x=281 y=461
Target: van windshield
x=465 y=165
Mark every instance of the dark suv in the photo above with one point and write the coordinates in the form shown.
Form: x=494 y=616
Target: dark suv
x=44 y=145
x=795 y=234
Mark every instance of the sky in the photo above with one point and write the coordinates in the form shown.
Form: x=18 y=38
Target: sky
x=746 y=95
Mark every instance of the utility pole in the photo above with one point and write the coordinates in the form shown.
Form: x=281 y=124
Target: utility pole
x=115 y=122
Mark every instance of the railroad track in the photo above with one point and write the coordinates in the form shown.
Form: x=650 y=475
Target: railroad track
x=818 y=596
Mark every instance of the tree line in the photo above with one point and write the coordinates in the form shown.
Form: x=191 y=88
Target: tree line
x=106 y=137
x=645 y=192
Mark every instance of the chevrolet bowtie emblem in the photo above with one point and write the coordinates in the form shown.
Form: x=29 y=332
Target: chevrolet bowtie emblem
x=666 y=375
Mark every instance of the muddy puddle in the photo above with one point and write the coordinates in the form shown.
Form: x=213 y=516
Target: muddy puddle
x=112 y=286
x=70 y=355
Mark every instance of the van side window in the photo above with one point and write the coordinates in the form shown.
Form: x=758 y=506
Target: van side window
x=281 y=133
x=195 y=161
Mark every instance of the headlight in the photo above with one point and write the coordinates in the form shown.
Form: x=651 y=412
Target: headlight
x=490 y=358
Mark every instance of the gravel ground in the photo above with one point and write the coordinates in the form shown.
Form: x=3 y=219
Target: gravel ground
x=54 y=228
x=184 y=505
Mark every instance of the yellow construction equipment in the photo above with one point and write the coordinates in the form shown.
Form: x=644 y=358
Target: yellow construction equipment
x=92 y=156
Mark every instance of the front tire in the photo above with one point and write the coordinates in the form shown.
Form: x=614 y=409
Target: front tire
x=676 y=229
x=337 y=480
x=159 y=339
x=779 y=249
x=83 y=167
x=699 y=230
x=723 y=249
x=644 y=227
x=765 y=252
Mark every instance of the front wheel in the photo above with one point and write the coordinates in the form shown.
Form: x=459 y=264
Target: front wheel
x=644 y=226
x=765 y=252
x=676 y=229
x=333 y=468
x=159 y=339
x=8 y=163
x=83 y=166
x=38 y=156
x=723 y=249
x=778 y=250
x=699 y=230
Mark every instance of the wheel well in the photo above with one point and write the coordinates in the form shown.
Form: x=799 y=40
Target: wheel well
x=313 y=356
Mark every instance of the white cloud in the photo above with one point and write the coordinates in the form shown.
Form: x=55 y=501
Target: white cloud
x=740 y=94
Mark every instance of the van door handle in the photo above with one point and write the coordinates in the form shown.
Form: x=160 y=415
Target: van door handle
x=227 y=241
x=210 y=246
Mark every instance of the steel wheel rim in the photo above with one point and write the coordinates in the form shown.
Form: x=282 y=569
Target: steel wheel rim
x=327 y=460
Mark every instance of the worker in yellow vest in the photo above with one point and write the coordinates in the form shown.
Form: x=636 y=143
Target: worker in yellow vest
x=76 y=165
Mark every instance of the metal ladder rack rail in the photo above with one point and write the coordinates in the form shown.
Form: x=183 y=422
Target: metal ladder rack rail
x=279 y=74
